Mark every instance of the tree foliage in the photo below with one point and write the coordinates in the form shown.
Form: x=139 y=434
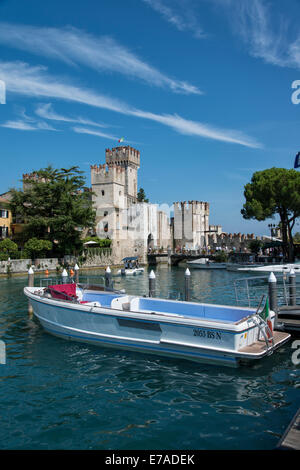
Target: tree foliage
x=272 y=192
x=54 y=206
x=8 y=247
x=36 y=248
x=141 y=196
x=102 y=242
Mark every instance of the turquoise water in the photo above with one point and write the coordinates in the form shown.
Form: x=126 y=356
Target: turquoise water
x=56 y=394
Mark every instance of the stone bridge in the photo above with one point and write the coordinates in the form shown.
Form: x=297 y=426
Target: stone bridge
x=173 y=259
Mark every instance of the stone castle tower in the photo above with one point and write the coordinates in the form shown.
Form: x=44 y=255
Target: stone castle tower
x=114 y=185
x=191 y=224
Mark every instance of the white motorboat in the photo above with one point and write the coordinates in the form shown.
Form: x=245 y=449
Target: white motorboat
x=205 y=263
x=239 y=266
x=276 y=268
x=131 y=267
x=130 y=272
x=199 y=332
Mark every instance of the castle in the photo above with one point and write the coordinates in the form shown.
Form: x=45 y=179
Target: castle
x=137 y=227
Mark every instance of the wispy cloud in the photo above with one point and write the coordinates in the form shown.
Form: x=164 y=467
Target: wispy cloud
x=85 y=130
x=26 y=126
x=36 y=82
x=267 y=35
x=46 y=112
x=19 y=125
x=180 y=14
x=104 y=54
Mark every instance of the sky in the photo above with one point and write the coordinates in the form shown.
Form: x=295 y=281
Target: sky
x=206 y=90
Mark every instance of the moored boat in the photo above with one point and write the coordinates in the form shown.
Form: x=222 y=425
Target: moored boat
x=131 y=267
x=196 y=331
x=275 y=268
x=205 y=263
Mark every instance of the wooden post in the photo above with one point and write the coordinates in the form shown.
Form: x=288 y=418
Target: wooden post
x=187 y=285
x=76 y=269
x=108 y=280
x=273 y=294
x=292 y=284
x=30 y=284
x=152 y=281
x=169 y=255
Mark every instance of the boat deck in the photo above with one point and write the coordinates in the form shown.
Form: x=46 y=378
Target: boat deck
x=260 y=346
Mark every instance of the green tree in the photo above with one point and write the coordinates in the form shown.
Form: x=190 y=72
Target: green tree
x=37 y=248
x=8 y=247
x=141 y=196
x=272 y=192
x=55 y=206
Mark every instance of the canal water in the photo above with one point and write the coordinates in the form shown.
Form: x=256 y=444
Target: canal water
x=56 y=394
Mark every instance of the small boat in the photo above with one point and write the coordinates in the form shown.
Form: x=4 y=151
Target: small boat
x=131 y=267
x=205 y=263
x=201 y=332
x=241 y=266
x=275 y=268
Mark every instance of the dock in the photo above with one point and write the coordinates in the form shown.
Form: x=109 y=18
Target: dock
x=291 y=438
x=289 y=318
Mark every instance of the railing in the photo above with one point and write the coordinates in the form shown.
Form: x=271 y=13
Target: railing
x=249 y=290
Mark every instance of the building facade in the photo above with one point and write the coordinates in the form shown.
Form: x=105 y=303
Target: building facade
x=5 y=218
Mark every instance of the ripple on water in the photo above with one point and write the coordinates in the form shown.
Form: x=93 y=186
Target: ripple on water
x=58 y=395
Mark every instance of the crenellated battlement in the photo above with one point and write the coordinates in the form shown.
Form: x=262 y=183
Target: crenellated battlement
x=123 y=156
x=107 y=173
x=194 y=206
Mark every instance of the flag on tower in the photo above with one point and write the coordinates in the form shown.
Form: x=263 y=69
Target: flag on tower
x=297 y=161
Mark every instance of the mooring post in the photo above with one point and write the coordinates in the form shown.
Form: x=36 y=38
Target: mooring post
x=30 y=284
x=76 y=269
x=64 y=276
x=187 y=285
x=152 y=280
x=273 y=294
x=169 y=255
x=108 y=280
x=292 y=285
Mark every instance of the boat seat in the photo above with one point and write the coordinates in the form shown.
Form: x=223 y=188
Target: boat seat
x=118 y=303
x=105 y=299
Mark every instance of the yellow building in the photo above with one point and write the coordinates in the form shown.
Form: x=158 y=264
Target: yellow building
x=5 y=218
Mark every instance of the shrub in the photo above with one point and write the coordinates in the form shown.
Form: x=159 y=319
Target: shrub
x=8 y=246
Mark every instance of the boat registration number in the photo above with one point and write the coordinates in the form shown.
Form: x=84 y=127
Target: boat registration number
x=207 y=334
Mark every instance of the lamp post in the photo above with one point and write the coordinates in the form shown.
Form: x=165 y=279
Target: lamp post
x=272 y=227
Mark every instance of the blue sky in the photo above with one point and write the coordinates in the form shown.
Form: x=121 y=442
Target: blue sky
x=201 y=87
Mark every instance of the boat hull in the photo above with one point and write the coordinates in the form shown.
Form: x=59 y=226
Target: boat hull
x=200 y=341
x=207 y=266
